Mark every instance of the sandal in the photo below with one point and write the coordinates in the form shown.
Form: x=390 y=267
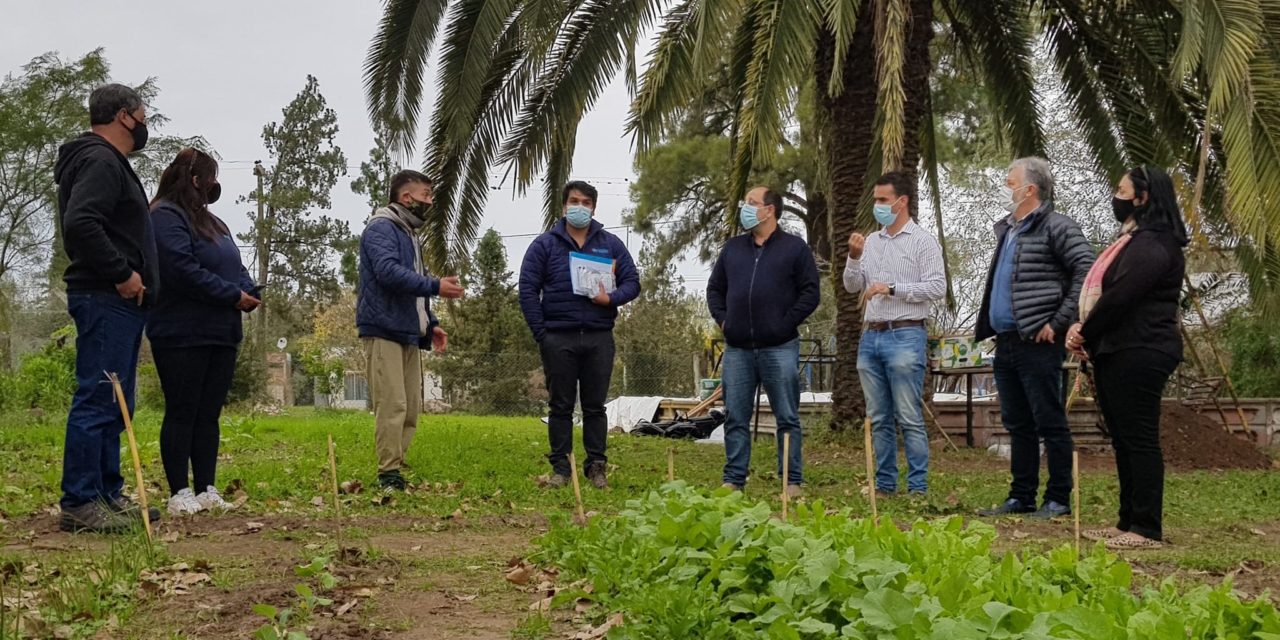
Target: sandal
x=1100 y=534
x=1132 y=541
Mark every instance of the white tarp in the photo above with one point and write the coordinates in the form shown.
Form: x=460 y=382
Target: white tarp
x=624 y=412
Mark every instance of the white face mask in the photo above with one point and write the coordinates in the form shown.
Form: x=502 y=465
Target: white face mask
x=1007 y=198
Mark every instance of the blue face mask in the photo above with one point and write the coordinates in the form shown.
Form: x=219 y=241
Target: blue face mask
x=884 y=214
x=747 y=216
x=578 y=216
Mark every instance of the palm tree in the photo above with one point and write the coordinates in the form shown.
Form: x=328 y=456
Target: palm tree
x=1188 y=84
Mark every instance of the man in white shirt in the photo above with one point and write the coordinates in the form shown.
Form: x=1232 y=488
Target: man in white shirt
x=899 y=272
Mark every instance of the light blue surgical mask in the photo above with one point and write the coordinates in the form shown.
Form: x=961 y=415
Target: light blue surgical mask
x=578 y=216
x=884 y=214
x=747 y=215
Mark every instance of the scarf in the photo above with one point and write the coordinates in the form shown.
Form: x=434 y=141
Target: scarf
x=408 y=222
x=1092 y=289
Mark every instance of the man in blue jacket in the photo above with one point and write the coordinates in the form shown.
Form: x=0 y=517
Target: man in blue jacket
x=574 y=325
x=763 y=285
x=394 y=319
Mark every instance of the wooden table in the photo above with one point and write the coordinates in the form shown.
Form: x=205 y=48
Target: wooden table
x=969 y=372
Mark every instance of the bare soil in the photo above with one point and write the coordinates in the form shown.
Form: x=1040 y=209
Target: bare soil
x=1193 y=441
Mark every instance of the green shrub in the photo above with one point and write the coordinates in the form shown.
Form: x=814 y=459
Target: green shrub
x=1254 y=344
x=44 y=380
x=149 y=393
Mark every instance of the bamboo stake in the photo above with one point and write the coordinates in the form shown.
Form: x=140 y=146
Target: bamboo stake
x=1195 y=359
x=133 y=451
x=1075 y=495
x=671 y=464
x=929 y=413
x=580 y=516
x=1213 y=347
x=337 y=504
x=786 y=468
x=871 y=470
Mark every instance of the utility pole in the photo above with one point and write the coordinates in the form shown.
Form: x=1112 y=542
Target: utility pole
x=260 y=242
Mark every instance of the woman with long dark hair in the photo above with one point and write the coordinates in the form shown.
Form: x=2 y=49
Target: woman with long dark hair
x=1129 y=334
x=195 y=328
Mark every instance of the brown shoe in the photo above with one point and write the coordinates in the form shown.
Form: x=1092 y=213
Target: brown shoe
x=558 y=481
x=794 y=491
x=596 y=474
x=732 y=487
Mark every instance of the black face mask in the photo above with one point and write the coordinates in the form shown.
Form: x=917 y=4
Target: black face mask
x=419 y=209
x=215 y=192
x=1123 y=209
x=139 y=133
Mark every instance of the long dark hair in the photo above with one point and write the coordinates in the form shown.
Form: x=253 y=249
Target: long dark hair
x=1161 y=208
x=176 y=186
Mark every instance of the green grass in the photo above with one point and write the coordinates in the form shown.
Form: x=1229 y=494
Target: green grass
x=486 y=466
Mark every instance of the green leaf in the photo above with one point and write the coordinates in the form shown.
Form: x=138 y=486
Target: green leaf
x=265 y=610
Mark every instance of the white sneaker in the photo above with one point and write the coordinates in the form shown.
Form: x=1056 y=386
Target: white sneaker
x=212 y=500
x=184 y=504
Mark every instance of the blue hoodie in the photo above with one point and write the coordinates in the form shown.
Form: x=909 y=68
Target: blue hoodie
x=760 y=295
x=546 y=290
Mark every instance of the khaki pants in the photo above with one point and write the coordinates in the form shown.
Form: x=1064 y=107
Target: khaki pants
x=395 y=386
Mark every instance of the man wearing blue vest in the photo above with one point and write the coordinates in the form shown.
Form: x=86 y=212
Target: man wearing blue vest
x=574 y=324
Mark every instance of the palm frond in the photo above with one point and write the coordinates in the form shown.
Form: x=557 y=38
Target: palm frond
x=396 y=63
x=669 y=80
x=997 y=35
x=892 y=22
x=929 y=164
x=840 y=18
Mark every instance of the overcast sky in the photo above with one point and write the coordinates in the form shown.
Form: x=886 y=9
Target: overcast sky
x=227 y=68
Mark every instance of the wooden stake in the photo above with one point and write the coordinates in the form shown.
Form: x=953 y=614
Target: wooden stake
x=671 y=464
x=786 y=469
x=871 y=468
x=580 y=516
x=133 y=451
x=1075 y=495
x=337 y=504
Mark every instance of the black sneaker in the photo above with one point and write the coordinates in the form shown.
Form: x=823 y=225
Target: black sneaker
x=1051 y=510
x=1010 y=507
x=392 y=480
x=596 y=474
x=125 y=506
x=94 y=517
x=558 y=481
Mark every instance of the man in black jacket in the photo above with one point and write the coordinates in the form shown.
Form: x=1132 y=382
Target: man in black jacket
x=1033 y=288
x=111 y=280
x=763 y=285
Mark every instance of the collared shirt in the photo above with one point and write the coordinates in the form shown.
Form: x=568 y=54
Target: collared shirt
x=911 y=261
x=1001 y=312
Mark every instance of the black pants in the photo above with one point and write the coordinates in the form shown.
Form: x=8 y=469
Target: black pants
x=195 y=381
x=1130 y=384
x=577 y=364
x=1029 y=379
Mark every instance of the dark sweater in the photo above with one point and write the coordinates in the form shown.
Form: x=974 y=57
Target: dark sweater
x=202 y=279
x=547 y=299
x=1140 y=294
x=759 y=296
x=106 y=226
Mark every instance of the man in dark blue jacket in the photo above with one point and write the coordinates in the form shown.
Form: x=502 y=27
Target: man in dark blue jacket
x=394 y=319
x=112 y=280
x=763 y=285
x=570 y=308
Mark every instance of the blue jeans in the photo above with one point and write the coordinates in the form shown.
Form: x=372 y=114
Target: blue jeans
x=777 y=370
x=891 y=367
x=1029 y=380
x=108 y=336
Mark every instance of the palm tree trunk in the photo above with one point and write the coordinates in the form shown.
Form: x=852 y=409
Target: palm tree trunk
x=850 y=118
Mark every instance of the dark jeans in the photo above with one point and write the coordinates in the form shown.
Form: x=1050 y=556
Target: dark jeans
x=108 y=336
x=577 y=364
x=1130 y=384
x=1029 y=380
x=195 y=381
x=776 y=369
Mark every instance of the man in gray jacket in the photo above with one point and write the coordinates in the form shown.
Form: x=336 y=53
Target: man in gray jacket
x=1033 y=288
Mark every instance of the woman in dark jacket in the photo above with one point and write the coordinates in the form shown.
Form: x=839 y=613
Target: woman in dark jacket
x=1129 y=333
x=195 y=327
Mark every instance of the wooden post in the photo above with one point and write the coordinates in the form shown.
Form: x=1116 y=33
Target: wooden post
x=133 y=451
x=337 y=504
x=786 y=467
x=871 y=468
x=580 y=516
x=671 y=464
x=1075 y=495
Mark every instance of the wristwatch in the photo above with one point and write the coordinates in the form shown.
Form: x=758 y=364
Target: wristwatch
x=891 y=289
